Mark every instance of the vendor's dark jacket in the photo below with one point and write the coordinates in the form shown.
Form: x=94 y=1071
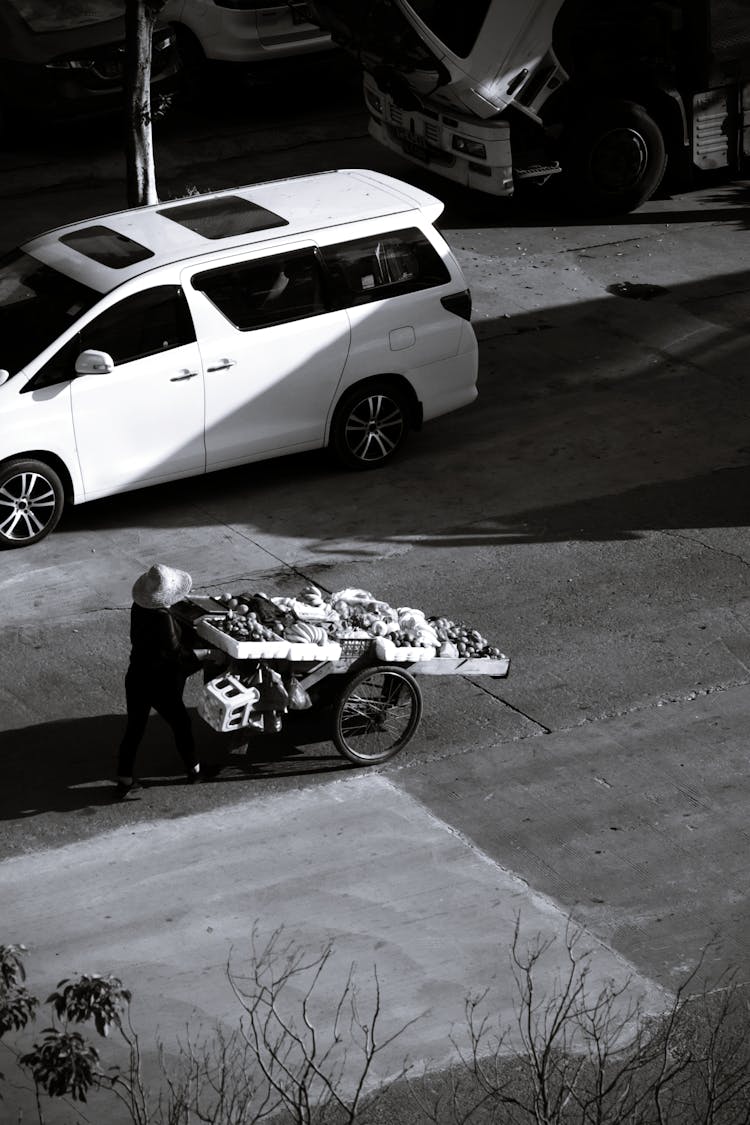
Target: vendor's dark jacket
x=158 y=644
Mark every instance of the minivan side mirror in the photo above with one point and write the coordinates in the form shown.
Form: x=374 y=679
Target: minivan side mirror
x=4 y=375
x=92 y=362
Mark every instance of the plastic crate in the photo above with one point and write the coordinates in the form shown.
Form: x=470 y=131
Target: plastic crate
x=355 y=646
x=226 y=703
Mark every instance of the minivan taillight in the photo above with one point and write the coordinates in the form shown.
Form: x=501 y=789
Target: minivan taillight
x=458 y=303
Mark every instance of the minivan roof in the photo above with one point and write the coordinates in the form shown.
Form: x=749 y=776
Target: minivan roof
x=105 y=251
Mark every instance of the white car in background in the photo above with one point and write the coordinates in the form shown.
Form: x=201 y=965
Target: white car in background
x=192 y=335
x=242 y=31
x=64 y=61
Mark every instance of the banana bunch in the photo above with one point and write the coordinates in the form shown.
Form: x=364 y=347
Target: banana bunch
x=311 y=595
x=303 y=632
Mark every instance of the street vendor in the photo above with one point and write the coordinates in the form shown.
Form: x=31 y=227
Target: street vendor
x=160 y=663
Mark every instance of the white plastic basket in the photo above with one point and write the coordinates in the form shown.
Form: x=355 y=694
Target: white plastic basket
x=265 y=650
x=226 y=703
x=390 y=653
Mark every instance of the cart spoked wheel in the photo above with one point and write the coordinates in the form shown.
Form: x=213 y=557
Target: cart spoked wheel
x=376 y=714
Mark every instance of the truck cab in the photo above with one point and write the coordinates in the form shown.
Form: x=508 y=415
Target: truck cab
x=609 y=93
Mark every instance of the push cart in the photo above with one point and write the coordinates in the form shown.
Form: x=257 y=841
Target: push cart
x=368 y=686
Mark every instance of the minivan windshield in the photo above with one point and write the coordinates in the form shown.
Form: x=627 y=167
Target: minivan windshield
x=37 y=304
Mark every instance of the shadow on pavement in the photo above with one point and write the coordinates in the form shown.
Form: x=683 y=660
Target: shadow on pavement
x=716 y=499
x=69 y=766
x=467 y=209
x=712 y=500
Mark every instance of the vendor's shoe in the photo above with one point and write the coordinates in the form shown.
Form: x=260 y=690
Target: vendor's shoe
x=126 y=785
x=195 y=777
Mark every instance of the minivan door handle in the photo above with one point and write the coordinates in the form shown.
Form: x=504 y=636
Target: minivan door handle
x=223 y=365
x=184 y=374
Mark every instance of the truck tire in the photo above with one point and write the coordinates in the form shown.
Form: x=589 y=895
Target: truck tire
x=613 y=159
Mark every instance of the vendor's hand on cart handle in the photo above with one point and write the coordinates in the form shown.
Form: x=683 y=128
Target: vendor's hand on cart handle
x=211 y=655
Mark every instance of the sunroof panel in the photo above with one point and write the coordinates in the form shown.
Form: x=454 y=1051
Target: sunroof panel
x=223 y=217
x=106 y=246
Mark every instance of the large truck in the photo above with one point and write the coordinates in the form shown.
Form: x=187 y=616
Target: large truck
x=603 y=97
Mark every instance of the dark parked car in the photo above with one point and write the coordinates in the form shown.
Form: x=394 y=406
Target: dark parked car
x=66 y=59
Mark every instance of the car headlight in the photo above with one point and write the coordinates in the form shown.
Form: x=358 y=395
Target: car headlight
x=70 y=64
x=163 y=39
x=375 y=101
x=469 y=148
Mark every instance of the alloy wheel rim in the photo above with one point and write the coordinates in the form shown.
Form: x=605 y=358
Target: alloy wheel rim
x=27 y=504
x=374 y=428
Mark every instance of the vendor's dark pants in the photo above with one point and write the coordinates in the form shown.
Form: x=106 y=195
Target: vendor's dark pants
x=164 y=694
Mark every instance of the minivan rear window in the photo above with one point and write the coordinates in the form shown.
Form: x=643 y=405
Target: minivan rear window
x=223 y=217
x=384 y=265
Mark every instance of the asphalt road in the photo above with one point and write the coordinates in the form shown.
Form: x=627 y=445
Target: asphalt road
x=589 y=513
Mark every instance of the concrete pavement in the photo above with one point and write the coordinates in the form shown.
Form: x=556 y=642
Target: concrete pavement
x=636 y=824
x=357 y=861
x=619 y=826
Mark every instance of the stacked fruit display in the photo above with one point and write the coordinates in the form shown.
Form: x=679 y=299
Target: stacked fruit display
x=406 y=627
x=260 y=619
x=311 y=618
x=465 y=640
x=243 y=623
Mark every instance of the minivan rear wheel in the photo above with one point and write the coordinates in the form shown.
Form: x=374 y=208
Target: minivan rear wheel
x=31 y=502
x=370 y=425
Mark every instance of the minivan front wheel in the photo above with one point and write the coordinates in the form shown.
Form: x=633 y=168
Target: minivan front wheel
x=370 y=425
x=31 y=502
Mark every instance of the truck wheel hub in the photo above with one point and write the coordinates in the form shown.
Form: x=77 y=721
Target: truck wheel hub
x=620 y=159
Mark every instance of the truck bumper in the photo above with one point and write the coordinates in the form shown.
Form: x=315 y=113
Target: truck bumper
x=476 y=154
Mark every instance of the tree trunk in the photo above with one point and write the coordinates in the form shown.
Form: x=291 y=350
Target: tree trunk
x=139 y=150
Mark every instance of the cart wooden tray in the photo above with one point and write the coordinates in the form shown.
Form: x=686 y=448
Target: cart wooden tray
x=463 y=666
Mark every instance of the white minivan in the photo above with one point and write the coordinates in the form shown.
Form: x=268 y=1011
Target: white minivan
x=192 y=335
